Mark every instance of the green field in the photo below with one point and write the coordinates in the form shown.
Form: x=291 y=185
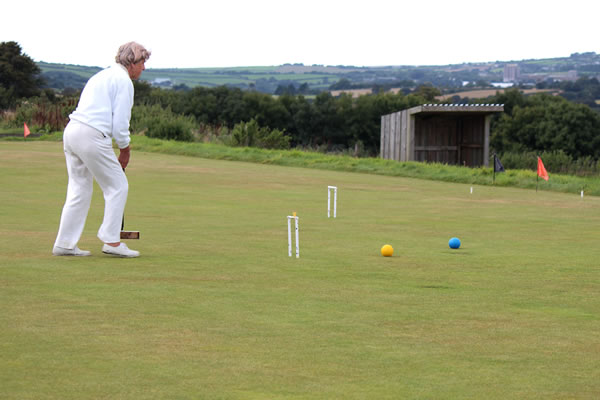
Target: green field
x=80 y=70
x=229 y=76
x=215 y=309
x=210 y=77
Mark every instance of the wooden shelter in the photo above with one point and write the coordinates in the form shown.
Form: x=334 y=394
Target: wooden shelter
x=455 y=134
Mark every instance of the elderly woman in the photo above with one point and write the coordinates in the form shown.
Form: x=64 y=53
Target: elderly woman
x=103 y=114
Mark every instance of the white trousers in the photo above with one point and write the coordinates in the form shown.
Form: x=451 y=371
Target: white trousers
x=89 y=155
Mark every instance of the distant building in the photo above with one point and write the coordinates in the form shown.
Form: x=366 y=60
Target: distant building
x=562 y=76
x=511 y=73
x=572 y=75
x=161 y=82
x=502 y=85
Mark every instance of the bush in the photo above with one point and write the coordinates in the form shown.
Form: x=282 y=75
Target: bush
x=44 y=115
x=161 y=123
x=7 y=119
x=24 y=114
x=214 y=134
x=170 y=130
x=251 y=135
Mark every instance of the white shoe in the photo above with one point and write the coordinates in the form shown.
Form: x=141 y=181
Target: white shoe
x=59 y=251
x=121 y=250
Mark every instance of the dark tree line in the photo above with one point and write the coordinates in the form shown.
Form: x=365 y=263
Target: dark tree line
x=334 y=122
x=584 y=90
x=544 y=122
x=539 y=122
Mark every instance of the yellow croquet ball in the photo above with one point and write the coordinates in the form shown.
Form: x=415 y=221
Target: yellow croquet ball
x=387 y=250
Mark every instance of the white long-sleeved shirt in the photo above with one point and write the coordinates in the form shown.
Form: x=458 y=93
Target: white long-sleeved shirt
x=105 y=104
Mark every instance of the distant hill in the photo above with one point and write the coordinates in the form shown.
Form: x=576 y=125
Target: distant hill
x=264 y=79
x=62 y=76
x=304 y=79
x=484 y=93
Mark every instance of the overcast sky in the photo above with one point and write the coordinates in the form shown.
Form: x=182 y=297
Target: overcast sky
x=228 y=33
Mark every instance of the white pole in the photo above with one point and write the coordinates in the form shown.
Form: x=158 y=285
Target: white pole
x=471 y=189
x=329 y=189
x=289 y=237
x=582 y=194
x=335 y=203
x=289 y=221
x=297 y=237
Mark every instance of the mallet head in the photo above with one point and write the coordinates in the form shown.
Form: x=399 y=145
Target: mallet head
x=130 y=234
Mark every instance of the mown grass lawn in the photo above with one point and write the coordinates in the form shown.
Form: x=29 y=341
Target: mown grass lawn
x=216 y=309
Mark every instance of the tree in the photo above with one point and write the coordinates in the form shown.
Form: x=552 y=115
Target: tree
x=282 y=89
x=181 y=87
x=142 y=90
x=19 y=75
x=548 y=123
x=304 y=88
x=342 y=84
x=584 y=90
x=428 y=92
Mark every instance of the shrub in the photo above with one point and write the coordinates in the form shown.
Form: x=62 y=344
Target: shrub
x=157 y=122
x=7 y=119
x=44 y=115
x=214 y=134
x=24 y=113
x=170 y=129
x=251 y=135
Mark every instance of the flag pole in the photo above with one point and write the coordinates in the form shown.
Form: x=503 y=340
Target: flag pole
x=537 y=176
x=494 y=179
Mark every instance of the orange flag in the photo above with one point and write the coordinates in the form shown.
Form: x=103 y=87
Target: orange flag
x=541 y=170
x=26 y=130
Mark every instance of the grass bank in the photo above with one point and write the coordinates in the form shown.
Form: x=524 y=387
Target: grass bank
x=524 y=179
x=436 y=172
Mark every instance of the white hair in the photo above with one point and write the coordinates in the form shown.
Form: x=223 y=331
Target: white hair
x=131 y=53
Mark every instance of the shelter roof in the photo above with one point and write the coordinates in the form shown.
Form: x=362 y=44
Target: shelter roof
x=456 y=108
x=462 y=108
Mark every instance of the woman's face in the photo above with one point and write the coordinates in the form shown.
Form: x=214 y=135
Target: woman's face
x=135 y=70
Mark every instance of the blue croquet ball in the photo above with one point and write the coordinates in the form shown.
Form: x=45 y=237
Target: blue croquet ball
x=454 y=243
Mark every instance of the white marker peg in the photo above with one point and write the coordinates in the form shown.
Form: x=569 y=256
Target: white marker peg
x=329 y=189
x=289 y=226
